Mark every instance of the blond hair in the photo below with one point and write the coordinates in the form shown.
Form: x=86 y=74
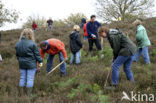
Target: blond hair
x=28 y=33
x=76 y=27
x=137 y=22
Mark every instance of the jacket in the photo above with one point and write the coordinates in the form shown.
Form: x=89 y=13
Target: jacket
x=27 y=54
x=92 y=28
x=54 y=47
x=50 y=22
x=85 y=29
x=34 y=26
x=75 y=42
x=120 y=43
x=142 y=37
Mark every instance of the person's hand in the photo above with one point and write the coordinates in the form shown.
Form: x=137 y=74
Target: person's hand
x=41 y=64
x=93 y=36
x=65 y=59
x=38 y=70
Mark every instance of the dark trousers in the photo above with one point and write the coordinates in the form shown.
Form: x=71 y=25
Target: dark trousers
x=97 y=43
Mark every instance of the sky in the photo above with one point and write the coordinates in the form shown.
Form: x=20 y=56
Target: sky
x=56 y=9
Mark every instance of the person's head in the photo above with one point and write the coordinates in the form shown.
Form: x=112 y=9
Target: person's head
x=92 y=18
x=137 y=22
x=102 y=31
x=28 y=34
x=43 y=45
x=76 y=28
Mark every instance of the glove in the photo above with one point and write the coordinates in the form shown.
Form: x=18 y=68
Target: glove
x=41 y=64
x=93 y=36
x=38 y=70
x=65 y=59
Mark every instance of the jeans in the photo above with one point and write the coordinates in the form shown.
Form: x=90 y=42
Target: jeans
x=27 y=77
x=50 y=27
x=50 y=63
x=145 y=55
x=85 y=38
x=77 y=56
x=127 y=62
x=97 y=43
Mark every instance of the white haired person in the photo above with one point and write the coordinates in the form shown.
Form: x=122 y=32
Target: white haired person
x=143 y=42
x=28 y=56
x=75 y=44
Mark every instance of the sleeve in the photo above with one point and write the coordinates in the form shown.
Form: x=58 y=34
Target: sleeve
x=78 y=40
x=42 y=53
x=16 y=53
x=115 y=45
x=88 y=30
x=139 y=35
x=37 y=53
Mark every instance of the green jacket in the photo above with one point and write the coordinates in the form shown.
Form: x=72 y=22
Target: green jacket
x=120 y=43
x=27 y=54
x=142 y=37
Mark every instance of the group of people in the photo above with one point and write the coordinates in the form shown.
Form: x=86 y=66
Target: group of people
x=49 y=22
x=124 y=50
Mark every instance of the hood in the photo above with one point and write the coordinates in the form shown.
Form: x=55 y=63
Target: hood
x=114 y=31
x=73 y=35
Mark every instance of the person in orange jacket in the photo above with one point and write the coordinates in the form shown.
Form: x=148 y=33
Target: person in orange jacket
x=52 y=47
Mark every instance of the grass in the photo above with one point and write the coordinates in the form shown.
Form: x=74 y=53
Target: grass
x=83 y=83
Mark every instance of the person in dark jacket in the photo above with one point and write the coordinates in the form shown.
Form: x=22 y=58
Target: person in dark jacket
x=83 y=21
x=28 y=55
x=123 y=50
x=92 y=29
x=75 y=44
x=50 y=24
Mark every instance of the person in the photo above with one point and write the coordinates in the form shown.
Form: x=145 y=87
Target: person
x=143 y=42
x=92 y=29
x=83 y=21
x=75 y=44
x=34 y=26
x=50 y=24
x=52 y=47
x=123 y=50
x=85 y=31
x=28 y=55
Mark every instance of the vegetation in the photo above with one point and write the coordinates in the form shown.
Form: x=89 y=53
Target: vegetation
x=84 y=83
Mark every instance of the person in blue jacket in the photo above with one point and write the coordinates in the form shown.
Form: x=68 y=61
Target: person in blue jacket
x=92 y=30
x=28 y=56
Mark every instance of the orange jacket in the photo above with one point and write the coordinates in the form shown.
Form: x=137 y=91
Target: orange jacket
x=55 y=46
x=85 y=29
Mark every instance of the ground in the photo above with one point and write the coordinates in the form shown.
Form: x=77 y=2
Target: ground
x=83 y=83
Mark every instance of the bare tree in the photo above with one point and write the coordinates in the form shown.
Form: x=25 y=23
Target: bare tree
x=109 y=10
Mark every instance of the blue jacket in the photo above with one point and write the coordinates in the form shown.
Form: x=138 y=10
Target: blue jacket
x=27 y=54
x=92 y=28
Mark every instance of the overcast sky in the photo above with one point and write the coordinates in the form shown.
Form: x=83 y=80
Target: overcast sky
x=57 y=9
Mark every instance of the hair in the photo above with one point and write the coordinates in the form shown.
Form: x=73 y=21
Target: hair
x=137 y=22
x=76 y=28
x=103 y=29
x=28 y=34
x=92 y=16
x=43 y=44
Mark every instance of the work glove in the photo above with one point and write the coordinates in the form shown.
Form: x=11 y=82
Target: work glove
x=38 y=70
x=65 y=59
x=41 y=64
x=93 y=36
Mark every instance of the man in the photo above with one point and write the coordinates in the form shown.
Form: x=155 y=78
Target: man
x=83 y=21
x=50 y=24
x=143 y=42
x=53 y=47
x=92 y=29
x=123 y=50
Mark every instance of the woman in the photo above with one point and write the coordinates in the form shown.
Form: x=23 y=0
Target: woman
x=143 y=42
x=75 y=44
x=28 y=55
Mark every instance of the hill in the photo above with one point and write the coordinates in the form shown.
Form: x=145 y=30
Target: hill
x=83 y=83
